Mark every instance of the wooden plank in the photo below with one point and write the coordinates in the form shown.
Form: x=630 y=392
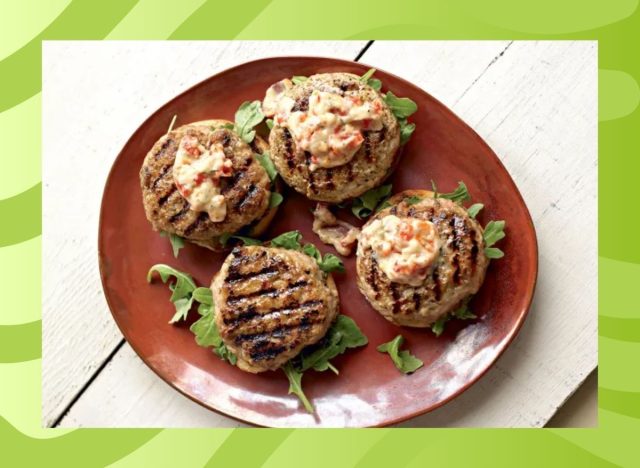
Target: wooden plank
x=94 y=95
x=536 y=106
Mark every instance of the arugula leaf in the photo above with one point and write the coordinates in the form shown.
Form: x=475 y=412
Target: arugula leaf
x=275 y=199
x=312 y=251
x=493 y=252
x=269 y=123
x=331 y=263
x=373 y=82
x=295 y=385
x=205 y=328
x=412 y=200
x=299 y=79
x=474 y=209
x=463 y=313
x=248 y=115
x=401 y=107
x=265 y=160
x=406 y=130
x=203 y=295
x=288 y=240
x=224 y=239
x=182 y=289
x=343 y=334
x=366 y=203
x=438 y=326
x=403 y=360
x=493 y=232
x=176 y=241
x=459 y=195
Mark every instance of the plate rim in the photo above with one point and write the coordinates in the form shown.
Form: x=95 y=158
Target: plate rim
x=505 y=342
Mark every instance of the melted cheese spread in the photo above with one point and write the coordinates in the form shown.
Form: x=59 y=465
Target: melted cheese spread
x=330 y=129
x=405 y=248
x=197 y=171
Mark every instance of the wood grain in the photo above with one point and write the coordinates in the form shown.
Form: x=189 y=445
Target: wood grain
x=533 y=102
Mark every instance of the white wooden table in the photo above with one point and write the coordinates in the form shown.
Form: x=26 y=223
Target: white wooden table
x=535 y=103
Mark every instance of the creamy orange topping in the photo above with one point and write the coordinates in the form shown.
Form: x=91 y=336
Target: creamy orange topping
x=330 y=129
x=197 y=171
x=405 y=248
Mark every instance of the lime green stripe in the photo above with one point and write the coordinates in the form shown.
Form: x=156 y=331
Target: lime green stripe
x=21 y=216
x=404 y=451
x=626 y=403
x=248 y=448
x=20 y=342
x=96 y=447
x=622 y=329
x=82 y=19
x=202 y=24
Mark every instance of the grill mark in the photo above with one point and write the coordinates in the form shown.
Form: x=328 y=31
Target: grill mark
x=163 y=199
x=396 y=298
x=202 y=216
x=233 y=181
x=436 y=284
x=329 y=173
x=394 y=209
x=309 y=307
x=367 y=145
x=312 y=183
x=161 y=175
x=226 y=141
x=301 y=104
x=372 y=277
x=168 y=142
x=181 y=213
x=455 y=247
x=288 y=144
x=269 y=353
x=234 y=277
x=279 y=332
x=268 y=292
x=474 y=251
x=249 y=195
x=416 y=300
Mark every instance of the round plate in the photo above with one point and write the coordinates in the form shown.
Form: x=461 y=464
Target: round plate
x=369 y=390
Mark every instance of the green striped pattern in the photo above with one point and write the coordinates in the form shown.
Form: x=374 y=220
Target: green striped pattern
x=616 y=24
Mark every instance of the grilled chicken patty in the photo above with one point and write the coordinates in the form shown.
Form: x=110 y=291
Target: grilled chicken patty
x=457 y=272
x=372 y=163
x=246 y=192
x=271 y=303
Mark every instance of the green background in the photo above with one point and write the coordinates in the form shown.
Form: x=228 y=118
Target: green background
x=24 y=24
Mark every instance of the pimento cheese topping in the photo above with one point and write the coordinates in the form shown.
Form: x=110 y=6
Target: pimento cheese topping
x=330 y=129
x=197 y=171
x=405 y=248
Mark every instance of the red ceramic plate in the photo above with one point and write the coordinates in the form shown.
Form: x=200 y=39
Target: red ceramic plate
x=369 y=390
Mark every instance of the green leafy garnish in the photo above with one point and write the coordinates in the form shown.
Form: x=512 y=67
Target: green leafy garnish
x=291 y=240
x=403 y=360
x=343 y=334
x=269 y=123
x=406 y=130
x=295 y=385
x=463 y=313
x=367 y=203
x=298 y=79
x=205 y=328
x=459 y=195
x=493 y=232
x=474 y=209
x=328 y=264
x=401 y=107
x=275 y=199
x=412 y=200
x=373 y=82
x=224 y=239
x=181 y=289
x=288 y=240
x=248 y=115
x=265 y=160
x=177 y=242
x=184 y=293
